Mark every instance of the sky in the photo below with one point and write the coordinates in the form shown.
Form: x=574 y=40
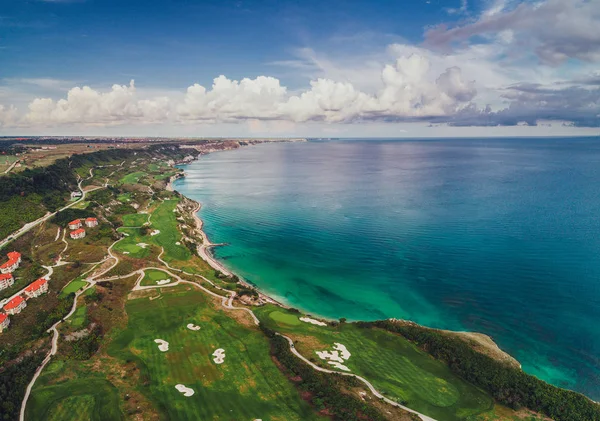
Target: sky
x=335 y=68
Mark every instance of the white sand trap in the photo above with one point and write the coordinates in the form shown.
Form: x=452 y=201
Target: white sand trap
x=187 y=392
x=192 y=326
x=331 y=356
x=125 y=252
x=142 y=245
x=177 y=243
x=125 y=234
x=337 y=357
x=344 y=353
x=312 y=321
x=163 y=281
x=155 y=232
x=339 y=366
x=219 y=355
x=162 y=345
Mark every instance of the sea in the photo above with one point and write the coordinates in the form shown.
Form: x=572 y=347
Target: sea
x=494 y=235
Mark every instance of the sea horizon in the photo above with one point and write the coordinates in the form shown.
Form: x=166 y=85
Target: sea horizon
x=405 y=249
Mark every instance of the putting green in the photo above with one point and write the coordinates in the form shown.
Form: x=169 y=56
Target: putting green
x=246 y=386
x=129 y=244
x=153 y=275
x=287 y=318
x=79 y=317
x=73 y=286
x=390 y=362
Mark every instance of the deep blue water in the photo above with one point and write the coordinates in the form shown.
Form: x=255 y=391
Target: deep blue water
x=500 y=236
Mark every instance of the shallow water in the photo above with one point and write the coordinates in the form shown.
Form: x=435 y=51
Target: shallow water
x=499 y=236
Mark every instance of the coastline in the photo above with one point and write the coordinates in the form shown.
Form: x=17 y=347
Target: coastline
x=204 y=251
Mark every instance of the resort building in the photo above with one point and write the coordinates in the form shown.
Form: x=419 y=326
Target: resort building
x=6 y=280
x=75 y=224
x=37 y=288
x=91 y=222
x=79 y=233
x=15 y=305
x=4 y=322
x=14 y=259
x=76 y=194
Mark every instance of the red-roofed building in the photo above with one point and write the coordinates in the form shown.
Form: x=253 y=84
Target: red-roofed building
x=14 y=258
x=91 y=222
x=80 y=233
x=6 y=280
x=37 y=288
x=4 y=322
x=75 y=224
x=15 y=305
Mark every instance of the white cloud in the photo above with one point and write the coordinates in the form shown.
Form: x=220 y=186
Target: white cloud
x=88 y=106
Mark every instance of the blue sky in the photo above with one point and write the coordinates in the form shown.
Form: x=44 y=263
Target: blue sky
x=299 y=67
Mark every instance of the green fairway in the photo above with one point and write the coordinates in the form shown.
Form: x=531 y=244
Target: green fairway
x=151 y=276
x=89 y=399
x=73 y=286
x=133 y=177
x=247 y=386
x=133 y=244
x=394 y=365
x=164 y=220
x=79 y=317
x=135 y=219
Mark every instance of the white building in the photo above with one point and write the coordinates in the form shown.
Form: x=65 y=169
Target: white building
x=91 y=222
x=15 y=305
x=37 y=288
x=79 y=233
x=4 y=322
x=6 y=280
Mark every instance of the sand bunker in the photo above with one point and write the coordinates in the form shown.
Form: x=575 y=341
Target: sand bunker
x=187 y=392
x=155 y=232
x=125 y=252
x=312 y=321
x=337 y=357
x=163 y=281
x=219 y=355
x=142 y=245
x=177 y=243
x=192 y=326
x=339 y=366
x=162 y=345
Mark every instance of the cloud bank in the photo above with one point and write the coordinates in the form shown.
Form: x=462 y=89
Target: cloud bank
x=513 y=64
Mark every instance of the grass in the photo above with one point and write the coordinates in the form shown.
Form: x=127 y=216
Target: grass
x=135 y=219
x=76 y=399
x=79 y=318
x=394 y=365
x=73 y=286
x=129 y=244
x=132 y=178
x=124 y=197
x=164 y=220
x=153 y=275
x=247 y=386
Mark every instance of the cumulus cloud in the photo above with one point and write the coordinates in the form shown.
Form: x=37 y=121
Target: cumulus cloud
x=89 y=106
x=556 y=29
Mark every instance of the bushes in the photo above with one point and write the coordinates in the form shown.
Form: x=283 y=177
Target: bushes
x=13 y=382
x=508 y=385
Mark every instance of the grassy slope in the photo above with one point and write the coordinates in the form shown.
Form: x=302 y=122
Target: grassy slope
x=247 y=386
x=391 y=363
x=153 y=275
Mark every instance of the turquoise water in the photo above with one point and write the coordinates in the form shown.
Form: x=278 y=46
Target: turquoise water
x=500 y=236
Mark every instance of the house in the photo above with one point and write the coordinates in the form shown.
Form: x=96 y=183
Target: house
x=91 y=222
x=76 y=194
x=75 y=224
x=6 y=280
x=37 y=288
x=4 y=322
x=14 y=258
x=79 y=233
x=15 y=305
